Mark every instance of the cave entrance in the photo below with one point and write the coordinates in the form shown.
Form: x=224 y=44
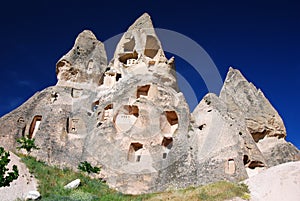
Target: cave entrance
x=131 y=56
x=230 y=166
x=34 y=126
x=135 y=152
x=142 y=91
x=167 y=144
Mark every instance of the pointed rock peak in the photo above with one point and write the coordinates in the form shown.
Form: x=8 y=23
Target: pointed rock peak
x=234 y=75
x=139 y=44
x=245 y=101
x=87 y=34
x=87 y=39
x=84 y=63
x=143 y=22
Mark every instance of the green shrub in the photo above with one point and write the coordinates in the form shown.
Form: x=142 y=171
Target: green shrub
x=87 y=167
x=27 y=144
x=6 y=177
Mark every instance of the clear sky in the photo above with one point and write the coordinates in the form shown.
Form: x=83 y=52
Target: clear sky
x=260 y=38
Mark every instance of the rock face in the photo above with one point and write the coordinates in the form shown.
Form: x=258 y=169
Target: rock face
x=129 y=117
x=254 y=111
x=276 y=183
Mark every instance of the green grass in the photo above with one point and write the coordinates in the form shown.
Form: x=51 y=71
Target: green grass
x=52 y=181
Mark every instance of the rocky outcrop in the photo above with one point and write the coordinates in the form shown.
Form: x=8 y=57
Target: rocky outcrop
x=243 y=99
x=248 y=104
x=129 y=117
x=84 y=64
x=276 y=183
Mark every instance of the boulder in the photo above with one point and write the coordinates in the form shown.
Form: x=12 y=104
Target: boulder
x=32 y=195
x=73 y=184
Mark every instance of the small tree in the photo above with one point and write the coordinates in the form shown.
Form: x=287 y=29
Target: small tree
x=6 y=177
x=87 y=167
x=27 y=144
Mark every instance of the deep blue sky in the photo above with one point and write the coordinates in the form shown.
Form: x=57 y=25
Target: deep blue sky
x=260 y=38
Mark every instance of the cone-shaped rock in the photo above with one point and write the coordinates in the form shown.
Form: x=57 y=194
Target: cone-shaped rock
x=140 y=52
x=248 y=104
x=129 y=118
x=84 y=64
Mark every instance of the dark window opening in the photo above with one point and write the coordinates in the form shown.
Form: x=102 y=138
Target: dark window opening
x=119 y=75
x=142 y=91
x=255 y=164
x=95 y=106
x=172 y=117
x=259 y=135
x=34 y=126
x=167 y=142
x=108 y=107
x=67 y=125
x=99 y=124
x=246 y=159
x=165 y=155
x=132 y=110
x=134 y=154
x=201 y=126
x=126 y=56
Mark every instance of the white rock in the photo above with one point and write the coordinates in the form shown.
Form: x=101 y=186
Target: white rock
x=277 y=183
x=32 y=195
x=73 y=184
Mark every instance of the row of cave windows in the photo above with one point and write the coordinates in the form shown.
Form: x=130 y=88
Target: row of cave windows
x=133 y=110
x=151 y=49
x=171 y=116
x=75 y=93
x=35 y=124
x=135 y=149
x=134 y=154
x=141 y=91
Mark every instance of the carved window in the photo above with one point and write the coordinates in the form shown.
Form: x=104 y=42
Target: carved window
x=167 y=144
x=142 y=91
x=34 y=126
x=230 y=166
x=135 y=152
x=95 y=106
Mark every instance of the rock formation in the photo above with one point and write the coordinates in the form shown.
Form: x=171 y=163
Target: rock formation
x=129 y=117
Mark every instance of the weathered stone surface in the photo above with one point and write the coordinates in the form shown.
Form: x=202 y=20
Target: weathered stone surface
x=84 y=64
x=220 y=138
x=243 y=99
x=276 y=183
x=251 y=108
x=129 y=118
